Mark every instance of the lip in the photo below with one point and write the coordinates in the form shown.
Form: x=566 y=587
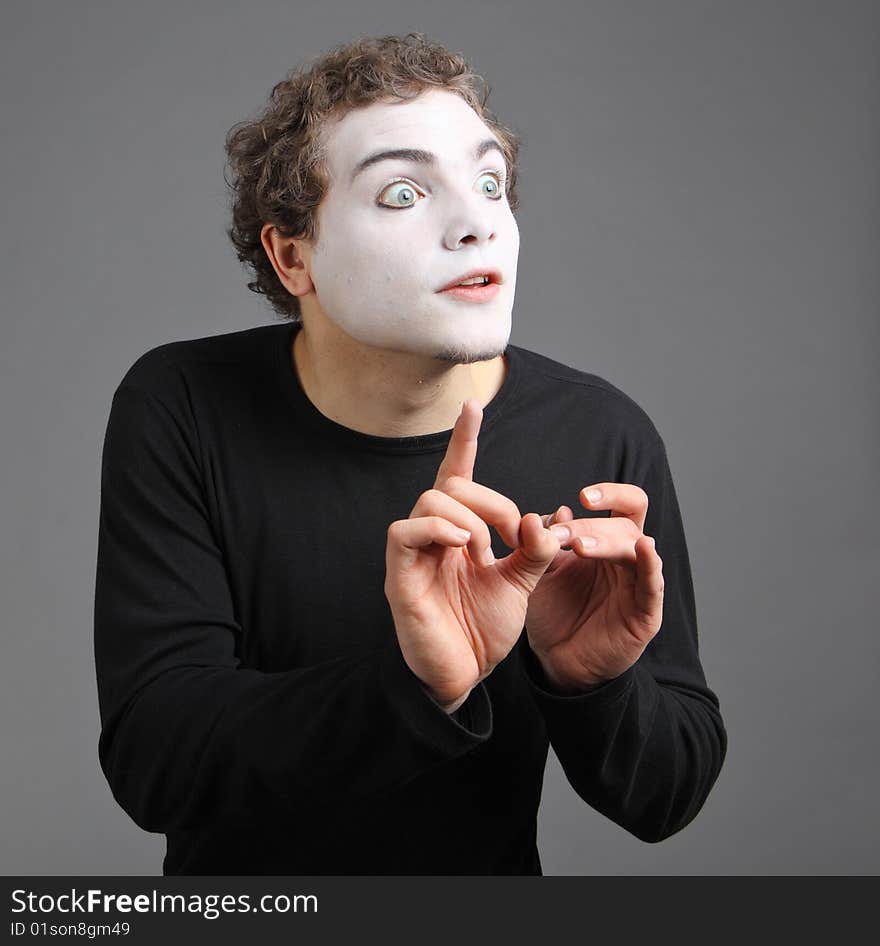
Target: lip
x=493 y=274
x=473 y=293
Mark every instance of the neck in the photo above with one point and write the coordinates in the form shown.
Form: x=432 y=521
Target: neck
x=387 y=393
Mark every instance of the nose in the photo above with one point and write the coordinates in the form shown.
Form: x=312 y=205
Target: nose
x=469 y=222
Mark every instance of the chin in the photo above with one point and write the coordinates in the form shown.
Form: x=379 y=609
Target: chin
x=484 y=344
x=468 y=353
x=461 y=357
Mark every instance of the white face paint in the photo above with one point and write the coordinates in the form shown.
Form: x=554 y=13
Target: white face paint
x=377 y=269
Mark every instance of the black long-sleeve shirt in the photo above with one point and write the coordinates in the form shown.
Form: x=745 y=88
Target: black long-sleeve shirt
x=255 y=704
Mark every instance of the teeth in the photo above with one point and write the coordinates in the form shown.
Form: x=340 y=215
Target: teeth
x=475 y=281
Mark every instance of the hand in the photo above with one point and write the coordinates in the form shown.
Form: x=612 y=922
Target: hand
x=596 y=609
x=457 y=611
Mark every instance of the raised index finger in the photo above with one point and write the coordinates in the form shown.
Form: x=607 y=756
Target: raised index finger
x=461 y=454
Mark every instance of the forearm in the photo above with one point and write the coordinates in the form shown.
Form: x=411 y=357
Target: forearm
x=643 y=754
x=201 y=744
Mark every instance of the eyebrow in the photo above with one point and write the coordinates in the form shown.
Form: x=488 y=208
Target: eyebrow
x=418 y=156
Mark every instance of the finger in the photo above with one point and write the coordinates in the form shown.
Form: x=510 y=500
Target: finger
x=612 y=540
x=461 y=453
x=623 y=499
x=649 y=587
x=535 y=540
x=434 y=502
x=536 y=550
x=407 y=536
x=491 y=506
x=562 y=514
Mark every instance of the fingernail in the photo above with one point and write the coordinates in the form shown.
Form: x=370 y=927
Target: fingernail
x=563 y=533
x=588 y=542
x=488 y=558
x=594 y=495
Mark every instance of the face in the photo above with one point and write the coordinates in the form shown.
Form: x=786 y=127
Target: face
x=394 y=233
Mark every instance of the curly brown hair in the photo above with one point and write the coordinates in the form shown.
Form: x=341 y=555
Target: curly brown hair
x=277 y=160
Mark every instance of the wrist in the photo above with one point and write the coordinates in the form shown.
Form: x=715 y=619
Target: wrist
x=562 y=683
x=448 y=706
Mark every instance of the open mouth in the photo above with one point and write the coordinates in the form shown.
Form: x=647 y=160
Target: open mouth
x=476 y=277
x=475 y=289
x=476 y=281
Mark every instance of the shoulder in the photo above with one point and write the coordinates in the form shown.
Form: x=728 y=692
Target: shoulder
x=177 y=367
x=590 y=396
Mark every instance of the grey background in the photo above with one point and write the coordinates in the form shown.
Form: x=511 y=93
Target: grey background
x=699 y=225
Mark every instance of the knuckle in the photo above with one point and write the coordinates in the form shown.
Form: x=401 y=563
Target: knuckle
x=430 y=499
x=451 y=483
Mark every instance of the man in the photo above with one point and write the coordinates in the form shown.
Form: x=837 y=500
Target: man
x=310 y=659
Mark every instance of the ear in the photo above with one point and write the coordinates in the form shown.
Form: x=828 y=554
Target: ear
x=289 y=258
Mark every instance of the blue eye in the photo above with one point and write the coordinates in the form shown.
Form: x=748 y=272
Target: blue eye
x=496 y=182
x=406 y=194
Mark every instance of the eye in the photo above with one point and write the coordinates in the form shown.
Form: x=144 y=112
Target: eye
x=403 y=194
x=492 y=184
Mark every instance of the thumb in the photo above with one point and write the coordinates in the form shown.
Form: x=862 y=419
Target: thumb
x=538 y=547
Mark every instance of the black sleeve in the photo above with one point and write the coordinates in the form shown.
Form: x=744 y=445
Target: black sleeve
x=189 y=736
x=645 y=748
